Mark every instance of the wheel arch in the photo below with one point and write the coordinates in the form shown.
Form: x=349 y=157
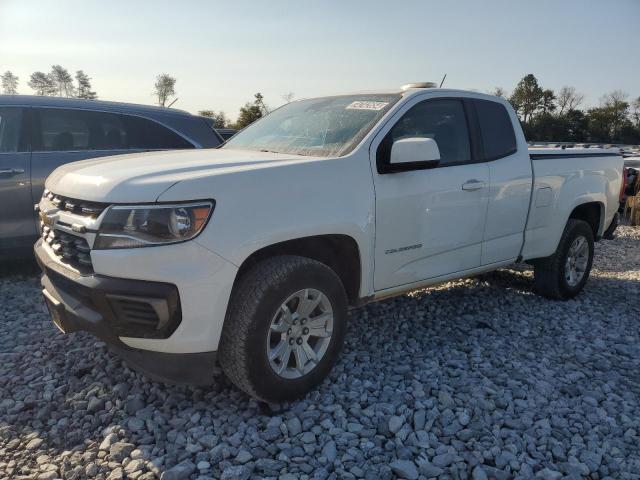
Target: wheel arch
x=593 y=214
x=338 y=251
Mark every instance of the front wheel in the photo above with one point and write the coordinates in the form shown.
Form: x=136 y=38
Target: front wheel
x=284 y=328
x=564 y=274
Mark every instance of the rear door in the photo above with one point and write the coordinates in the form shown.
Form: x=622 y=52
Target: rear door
x=510 y=179
x=17 y=226
x=62 y=135
x=429 y=222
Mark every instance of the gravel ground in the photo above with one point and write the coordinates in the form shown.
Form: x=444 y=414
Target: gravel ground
x=477 y=378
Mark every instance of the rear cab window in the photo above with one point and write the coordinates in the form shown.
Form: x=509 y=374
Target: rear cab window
x=496 y=129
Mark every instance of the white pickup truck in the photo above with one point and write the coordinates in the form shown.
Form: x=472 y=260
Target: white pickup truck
x=249 y=255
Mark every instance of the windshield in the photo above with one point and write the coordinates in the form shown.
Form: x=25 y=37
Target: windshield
x=324 y=127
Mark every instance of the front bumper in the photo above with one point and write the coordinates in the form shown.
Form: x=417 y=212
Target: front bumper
x=114 y=308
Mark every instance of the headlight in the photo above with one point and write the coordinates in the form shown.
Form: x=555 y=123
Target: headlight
x=149 y=225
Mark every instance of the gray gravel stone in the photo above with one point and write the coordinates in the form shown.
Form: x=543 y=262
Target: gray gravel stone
x=329 y=451
x=120 y=450
x=428 y=469
x=443 y=460
x=395 y=423
x=479 y=473
x=404 y=469
x=294 y=426
x=238 y=472
x=180 y=471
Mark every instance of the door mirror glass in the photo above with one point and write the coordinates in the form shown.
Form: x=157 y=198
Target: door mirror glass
x=416 y=152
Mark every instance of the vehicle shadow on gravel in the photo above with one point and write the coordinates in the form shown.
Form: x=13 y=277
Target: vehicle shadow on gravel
x=20 y=267
x=476 y=371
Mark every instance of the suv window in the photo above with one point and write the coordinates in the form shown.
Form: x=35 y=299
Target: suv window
x=496 y=129
x=443 y=120
x=147 y=134
x=10 y=122
x=69 y=130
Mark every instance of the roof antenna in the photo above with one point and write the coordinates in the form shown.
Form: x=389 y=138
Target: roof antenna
x=169 y=106
x=445 y=76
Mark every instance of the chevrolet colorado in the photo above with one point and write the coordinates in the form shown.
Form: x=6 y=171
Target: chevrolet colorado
x=249 y=255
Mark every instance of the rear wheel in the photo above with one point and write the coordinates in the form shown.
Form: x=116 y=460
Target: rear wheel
x=284 y=328
x=564 y=274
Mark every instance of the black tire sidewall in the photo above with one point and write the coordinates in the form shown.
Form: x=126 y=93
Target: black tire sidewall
x=576 y=229
x=266 y=382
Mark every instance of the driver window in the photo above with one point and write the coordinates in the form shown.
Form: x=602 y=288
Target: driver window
x=442 y=120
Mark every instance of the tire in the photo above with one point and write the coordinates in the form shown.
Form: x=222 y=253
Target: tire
x=250 y=331
x=550 y=274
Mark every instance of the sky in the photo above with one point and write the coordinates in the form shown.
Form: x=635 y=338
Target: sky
x=223 y=52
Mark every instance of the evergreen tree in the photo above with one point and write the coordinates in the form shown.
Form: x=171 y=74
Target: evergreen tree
x=41 y=83
x=9 y=83
x=62 y=81
x=84 y=86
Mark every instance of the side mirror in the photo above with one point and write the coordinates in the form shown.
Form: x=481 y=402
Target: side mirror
x=414 y=153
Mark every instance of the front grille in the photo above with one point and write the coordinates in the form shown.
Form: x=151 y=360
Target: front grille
x=79 y=207
x=71 y=249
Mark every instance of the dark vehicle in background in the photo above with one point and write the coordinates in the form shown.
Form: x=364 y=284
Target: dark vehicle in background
x=226 y=133
x=38 y=134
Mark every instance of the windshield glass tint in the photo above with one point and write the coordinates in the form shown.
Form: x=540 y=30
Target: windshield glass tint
x=325 y=127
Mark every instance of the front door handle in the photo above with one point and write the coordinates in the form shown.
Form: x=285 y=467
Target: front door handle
x=9 y=172
x=471 y=185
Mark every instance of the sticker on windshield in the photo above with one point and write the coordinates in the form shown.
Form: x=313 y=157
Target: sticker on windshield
x=366 y=105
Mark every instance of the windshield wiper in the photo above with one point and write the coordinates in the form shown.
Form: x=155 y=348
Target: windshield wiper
x=268 y=151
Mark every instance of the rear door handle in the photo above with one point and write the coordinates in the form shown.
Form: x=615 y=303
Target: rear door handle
x=8 y=172
x=471 y=185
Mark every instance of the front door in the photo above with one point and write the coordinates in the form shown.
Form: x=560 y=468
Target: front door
x=429 y=222
x=17 y=226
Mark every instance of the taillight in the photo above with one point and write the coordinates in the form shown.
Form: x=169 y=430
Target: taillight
x=623 y=186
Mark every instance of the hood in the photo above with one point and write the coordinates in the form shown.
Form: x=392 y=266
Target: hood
x=143 y=177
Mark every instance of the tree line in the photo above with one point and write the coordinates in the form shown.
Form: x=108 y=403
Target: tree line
x=57 y=82
x=547 y=116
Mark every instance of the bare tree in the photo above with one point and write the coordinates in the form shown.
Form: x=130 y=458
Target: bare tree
x=84 y=86
x=615 y=107
x=613 y=98
x=568 y=99
x=165 y=88
x=62 y=81
x=41 y=83
x=9 y=83
x=498 y=92
x=288 y=97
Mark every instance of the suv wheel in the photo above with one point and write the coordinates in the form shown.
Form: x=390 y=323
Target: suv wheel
x=284 y=328
x=564 y=274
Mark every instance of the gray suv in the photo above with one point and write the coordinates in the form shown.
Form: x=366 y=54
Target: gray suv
x=38 y=134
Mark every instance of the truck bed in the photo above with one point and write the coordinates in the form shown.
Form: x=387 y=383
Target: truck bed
x=563 y=179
